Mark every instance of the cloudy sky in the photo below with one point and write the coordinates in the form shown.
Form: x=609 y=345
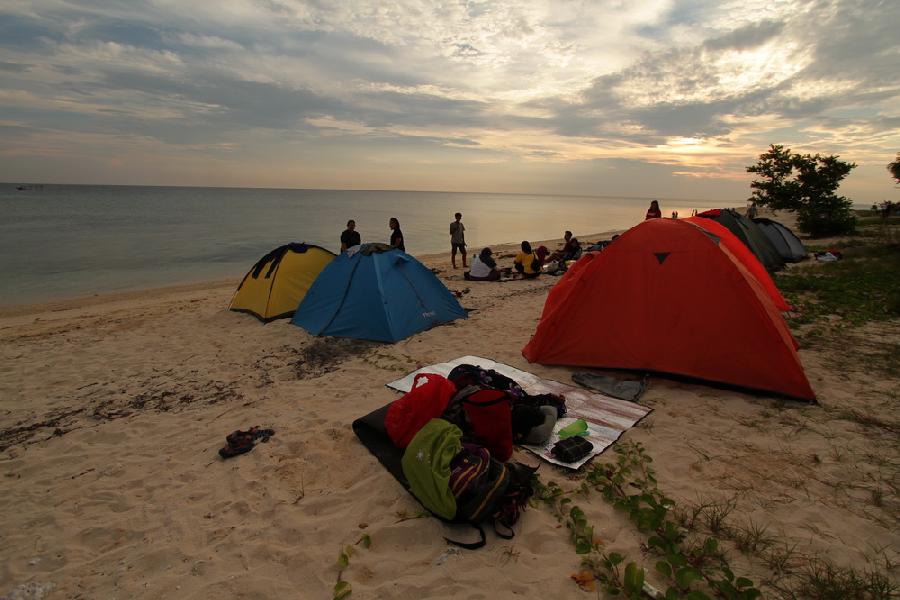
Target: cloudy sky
x=605 y=97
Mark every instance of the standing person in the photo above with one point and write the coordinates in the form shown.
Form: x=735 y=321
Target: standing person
x=457 y=240
x=653 y=212
x=396 y=234
x=752 y=211
x=350 y=237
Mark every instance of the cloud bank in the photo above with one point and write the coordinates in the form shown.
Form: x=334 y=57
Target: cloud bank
x=659 y=98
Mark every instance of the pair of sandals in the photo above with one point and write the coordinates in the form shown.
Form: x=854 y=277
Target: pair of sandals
x=241 y=442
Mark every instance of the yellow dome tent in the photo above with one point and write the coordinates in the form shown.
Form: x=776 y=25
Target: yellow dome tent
x=278 y=282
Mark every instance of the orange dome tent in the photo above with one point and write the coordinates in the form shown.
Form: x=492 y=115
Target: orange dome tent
x=667 y=296
x=747 y=258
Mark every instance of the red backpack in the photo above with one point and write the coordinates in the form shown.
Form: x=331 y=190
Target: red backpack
x=488 y=419
x=426 y=400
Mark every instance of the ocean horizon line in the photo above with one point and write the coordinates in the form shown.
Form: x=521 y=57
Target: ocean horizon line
x=381 y=190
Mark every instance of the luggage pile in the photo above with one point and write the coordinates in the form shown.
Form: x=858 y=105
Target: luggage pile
x=449 y=442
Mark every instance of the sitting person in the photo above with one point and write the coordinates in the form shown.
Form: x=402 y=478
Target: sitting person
x=527 y=263
x=571 y=250
x=484 y=268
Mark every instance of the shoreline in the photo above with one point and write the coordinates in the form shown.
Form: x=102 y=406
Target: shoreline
x=107 y=297
x=113 y=408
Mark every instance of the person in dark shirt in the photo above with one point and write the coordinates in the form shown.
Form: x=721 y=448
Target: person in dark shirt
x=350 y=237
x=570 y=251
x=396 y=234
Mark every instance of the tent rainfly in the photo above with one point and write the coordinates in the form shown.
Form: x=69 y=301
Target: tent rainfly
x=376 y=293
x=278 y=281
x=786 y=243
x=668 y=297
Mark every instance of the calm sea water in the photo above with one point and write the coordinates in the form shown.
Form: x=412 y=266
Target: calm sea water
x=59 y=241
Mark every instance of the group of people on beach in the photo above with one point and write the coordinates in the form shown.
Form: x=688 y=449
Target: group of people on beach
x=528 y=263
x=350 y=237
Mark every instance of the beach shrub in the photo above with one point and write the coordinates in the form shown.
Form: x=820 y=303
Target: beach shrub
x=894 y=168
x=806 y=184
x=860 y=288
x=691 y=570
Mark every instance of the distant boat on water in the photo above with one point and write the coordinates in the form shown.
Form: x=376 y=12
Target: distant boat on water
x=28 y=188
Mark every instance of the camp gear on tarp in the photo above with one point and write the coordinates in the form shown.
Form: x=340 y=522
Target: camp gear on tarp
x=494 y=410
x=489 y=417
x=427 y=400
x=540 y=433
x=607 y=418
x=426 y=466
x=494 y=492
x=579 y=428
x=572 y=449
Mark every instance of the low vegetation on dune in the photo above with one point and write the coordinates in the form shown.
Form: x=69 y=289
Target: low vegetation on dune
x=847 y=313
x=861 y=287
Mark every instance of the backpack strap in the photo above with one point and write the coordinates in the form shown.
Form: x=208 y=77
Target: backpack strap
x=505 y=536
x=470 y=545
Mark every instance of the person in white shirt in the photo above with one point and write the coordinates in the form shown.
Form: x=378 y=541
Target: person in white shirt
x=484 y=268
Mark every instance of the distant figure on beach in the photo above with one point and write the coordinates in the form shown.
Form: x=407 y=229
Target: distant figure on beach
x=674 y=214
x=527 y=263
x=653 y=212
x=458 y=240
x=484 y=267
x=350 y=237
x=571 y=250
x=751 y=211
x=396 y=234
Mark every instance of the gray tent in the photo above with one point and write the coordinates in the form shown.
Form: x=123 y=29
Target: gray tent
x=788 y=245
x=748 y=232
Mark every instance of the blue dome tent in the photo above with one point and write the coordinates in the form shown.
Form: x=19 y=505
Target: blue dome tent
x=376 y=294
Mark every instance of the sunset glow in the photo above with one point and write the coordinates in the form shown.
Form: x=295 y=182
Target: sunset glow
x=536 y=97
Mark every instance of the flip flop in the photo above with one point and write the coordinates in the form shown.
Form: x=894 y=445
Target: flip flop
x=238 y=436
x=232 y=450
x=241 y=442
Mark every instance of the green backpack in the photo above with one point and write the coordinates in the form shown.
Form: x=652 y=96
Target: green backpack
x=460 y=482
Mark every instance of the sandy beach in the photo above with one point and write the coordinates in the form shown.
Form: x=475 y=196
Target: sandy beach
x=112 y=409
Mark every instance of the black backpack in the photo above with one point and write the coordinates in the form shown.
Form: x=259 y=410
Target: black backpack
x=497 y=493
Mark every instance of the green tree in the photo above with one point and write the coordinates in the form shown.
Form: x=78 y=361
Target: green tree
x=806 y=184
x=894 y=168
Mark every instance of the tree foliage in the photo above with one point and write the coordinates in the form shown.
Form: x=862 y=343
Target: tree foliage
x=894 y=168
x=806 y=184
